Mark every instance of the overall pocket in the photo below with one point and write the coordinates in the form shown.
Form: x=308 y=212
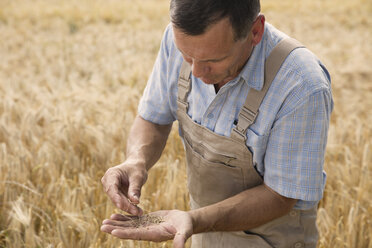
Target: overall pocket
x=210 y=182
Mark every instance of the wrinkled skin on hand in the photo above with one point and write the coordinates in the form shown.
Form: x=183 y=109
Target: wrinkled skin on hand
x=123 y=184
x=176 y=225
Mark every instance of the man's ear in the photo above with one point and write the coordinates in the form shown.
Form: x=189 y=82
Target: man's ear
x=258 y=29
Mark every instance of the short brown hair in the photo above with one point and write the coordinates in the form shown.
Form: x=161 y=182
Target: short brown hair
x=193 y=17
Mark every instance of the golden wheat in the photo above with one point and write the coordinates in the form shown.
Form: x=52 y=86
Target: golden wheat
x=71 y=75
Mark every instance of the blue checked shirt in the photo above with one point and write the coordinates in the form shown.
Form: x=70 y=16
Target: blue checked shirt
x=289 y=136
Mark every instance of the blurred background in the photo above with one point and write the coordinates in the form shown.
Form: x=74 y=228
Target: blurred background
x=71 y=75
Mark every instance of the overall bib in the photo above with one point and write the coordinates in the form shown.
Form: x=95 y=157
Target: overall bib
x=219 y=167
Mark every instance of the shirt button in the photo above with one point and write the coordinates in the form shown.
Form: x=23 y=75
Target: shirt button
x=298 y=245
x=210 y=116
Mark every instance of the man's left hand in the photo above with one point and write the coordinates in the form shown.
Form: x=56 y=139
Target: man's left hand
x=157 y=226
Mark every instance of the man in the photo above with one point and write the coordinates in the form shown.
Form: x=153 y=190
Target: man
x=254 y=115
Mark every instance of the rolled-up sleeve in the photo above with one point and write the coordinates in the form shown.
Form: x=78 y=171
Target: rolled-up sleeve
x=154 y=105
x=296 y=147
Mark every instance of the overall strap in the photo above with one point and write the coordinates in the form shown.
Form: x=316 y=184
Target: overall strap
x=184 y=86
x=249 y=111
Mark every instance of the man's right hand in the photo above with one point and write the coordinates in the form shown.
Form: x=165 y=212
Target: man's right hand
x=123 y=185
x=123 y=182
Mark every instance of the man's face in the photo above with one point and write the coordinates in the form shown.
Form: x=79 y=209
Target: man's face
x=215 y=56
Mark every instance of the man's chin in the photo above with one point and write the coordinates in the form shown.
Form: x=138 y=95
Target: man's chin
x=209 y=81
x=214 y=81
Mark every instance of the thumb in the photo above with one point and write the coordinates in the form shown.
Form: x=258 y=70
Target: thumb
x=179 y=240
x=134 y=189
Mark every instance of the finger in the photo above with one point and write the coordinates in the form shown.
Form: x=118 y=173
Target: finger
x=134 y=190
x=116 y=223
x=134 y=210
x=150 y=233
x=115 y=195
x=111 y=182
x=125 y=222
x=120 y=217
x=124 y=204
x=107 y=228
x=179 y=240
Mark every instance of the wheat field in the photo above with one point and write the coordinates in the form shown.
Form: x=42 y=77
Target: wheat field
x=71 y=75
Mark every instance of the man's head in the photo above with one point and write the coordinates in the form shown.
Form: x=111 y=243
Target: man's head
x=216 y=37
x=194 y=17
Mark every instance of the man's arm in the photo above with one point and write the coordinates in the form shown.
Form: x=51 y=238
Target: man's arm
x=248 y=209
x=146 y=142
x=243 y=211
x=123 y=182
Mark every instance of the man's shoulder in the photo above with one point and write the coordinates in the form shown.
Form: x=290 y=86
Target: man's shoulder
x=301 y=64
x=308 y=73
x=300 y=76
x=168 y=43
x=171 y=57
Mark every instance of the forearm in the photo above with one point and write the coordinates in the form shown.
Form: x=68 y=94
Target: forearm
x=146 y=142
x=246 y=210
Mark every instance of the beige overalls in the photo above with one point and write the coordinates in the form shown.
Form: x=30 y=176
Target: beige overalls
x=219 y=167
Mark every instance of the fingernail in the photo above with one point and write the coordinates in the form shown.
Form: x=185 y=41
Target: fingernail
x=136 y=197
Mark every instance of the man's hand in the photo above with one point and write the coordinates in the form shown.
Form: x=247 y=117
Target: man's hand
x=157 y=226
x=123 y=184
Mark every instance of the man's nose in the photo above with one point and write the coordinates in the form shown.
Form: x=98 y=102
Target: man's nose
x=199 y=69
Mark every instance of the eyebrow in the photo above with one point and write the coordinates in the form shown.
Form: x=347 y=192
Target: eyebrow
x=215 y=60
x=207 y=60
